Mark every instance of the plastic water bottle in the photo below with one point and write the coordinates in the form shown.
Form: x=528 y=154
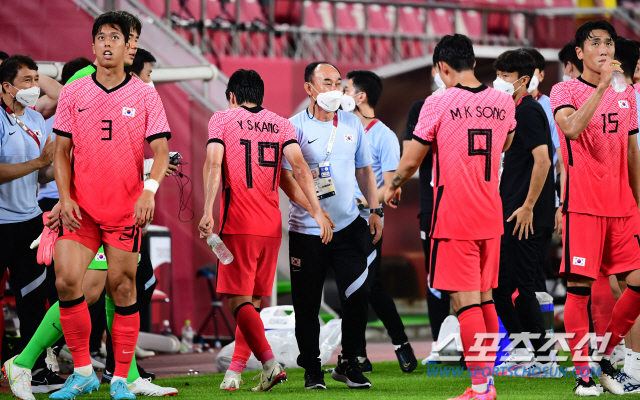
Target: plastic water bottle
x=166 y=328
x=187 y=338
x=220 y=250
x=618 y=82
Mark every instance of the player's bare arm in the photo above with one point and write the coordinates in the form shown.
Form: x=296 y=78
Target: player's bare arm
x=47 y=104
x=145 y=205
x=388 y=178
x=301 y=170
x=367 y=183
x=524 y=214
x=211 y=176
x=69 y=209
x=633 y=162
x=290 y=187
x=573 y=122
x=563 y=178
x=10 y=172
x=409 y=164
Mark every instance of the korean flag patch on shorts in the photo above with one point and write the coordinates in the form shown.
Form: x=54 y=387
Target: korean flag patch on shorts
x=623 y=103
x=579 y=261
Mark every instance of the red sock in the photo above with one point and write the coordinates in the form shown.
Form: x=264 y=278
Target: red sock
x=493 y=327
x=576 y=320
x=623 y=317
x=472 y=322
x=76 y=326
x=241 y=353
x=124 y=335
x=250 y=323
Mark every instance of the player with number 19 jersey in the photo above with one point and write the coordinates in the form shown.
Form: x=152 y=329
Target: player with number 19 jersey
x=250 y=222
x=601 y=217
x=108 y=128
x=467 y=128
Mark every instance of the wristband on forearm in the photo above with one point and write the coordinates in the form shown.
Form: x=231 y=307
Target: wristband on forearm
x=151 y=185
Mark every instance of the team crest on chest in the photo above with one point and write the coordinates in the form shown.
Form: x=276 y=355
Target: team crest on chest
x=623 y=103
x=129 y=112
x=349 y=138
x=38 y=132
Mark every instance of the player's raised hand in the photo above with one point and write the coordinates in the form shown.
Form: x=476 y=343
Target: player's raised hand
x=524 y=221
x=145 y=206
x=390 y=194
x=46 y=157
x=67 y=210
x=54 y=218
x=206 y=226
x=608 y=68
x=558 y=224
x=326 y=226
x=375 y=226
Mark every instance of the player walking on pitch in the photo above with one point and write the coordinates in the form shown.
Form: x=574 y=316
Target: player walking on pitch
x=601 y=195
x=246 y=144
x=468 y=125
x=105 y=117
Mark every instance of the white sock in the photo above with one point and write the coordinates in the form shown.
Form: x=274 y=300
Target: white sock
x=118 y=378
x=482 y=388
x=633 y=369
x=400 y=345
x=628 y=354
x=84 y=371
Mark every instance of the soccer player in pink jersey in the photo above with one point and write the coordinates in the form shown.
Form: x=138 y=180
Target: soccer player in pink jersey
x=246 y=145
x=601 y=194
x=469 y=126
x=105 y=117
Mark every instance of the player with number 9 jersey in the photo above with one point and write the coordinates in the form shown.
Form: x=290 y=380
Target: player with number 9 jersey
x=467 y=128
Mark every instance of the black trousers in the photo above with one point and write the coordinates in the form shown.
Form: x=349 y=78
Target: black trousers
x=145 y=285
x=27 y=278
x=438 y=302
x=381 y=302
x=346 y=255
x=521 y=264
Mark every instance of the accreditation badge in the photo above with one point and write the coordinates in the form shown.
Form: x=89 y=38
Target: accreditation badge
x=323 y=180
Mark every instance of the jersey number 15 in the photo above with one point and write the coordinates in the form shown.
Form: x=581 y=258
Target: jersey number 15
x=261 y=160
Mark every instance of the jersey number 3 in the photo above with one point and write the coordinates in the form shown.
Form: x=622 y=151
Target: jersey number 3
x=486 y=152
x=261 y=160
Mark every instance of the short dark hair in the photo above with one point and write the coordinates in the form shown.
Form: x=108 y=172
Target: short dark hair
x=10 y=67
x=142 y=56
x=457 y=51
x=308 y=71
x=73 y=66
x=584 y=32
x=568 y=54
x=537 y=57
x=113 y=19
x=628 y=53
x=134 y=21
x=368 y=82
x=519 y=61
x=247 y=86
x=3 y=56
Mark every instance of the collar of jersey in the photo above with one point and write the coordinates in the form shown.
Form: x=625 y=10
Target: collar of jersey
x=585 y=82
x=254 y=110
x=472 y=90
x=126 y=80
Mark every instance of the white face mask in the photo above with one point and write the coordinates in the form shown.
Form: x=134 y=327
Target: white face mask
x=438 y=81
x=329 y=101
x=500 y=85
x=28 y=97
x=347 y=103
x=566 y=78
x=151 y=84
x=533 y=85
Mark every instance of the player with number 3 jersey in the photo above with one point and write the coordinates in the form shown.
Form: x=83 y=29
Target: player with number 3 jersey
x=246 y=145
x=468 y=126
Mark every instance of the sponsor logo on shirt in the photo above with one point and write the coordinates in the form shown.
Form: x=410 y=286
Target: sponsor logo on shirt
x=349 y=138
x=623 y=103
x=100 y=257
x=129 y=112
x=579 y=261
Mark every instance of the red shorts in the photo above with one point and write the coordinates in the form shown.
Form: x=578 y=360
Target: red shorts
x=594 y=243
x=93 y=235
x=253 y=268
x=464 y=265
